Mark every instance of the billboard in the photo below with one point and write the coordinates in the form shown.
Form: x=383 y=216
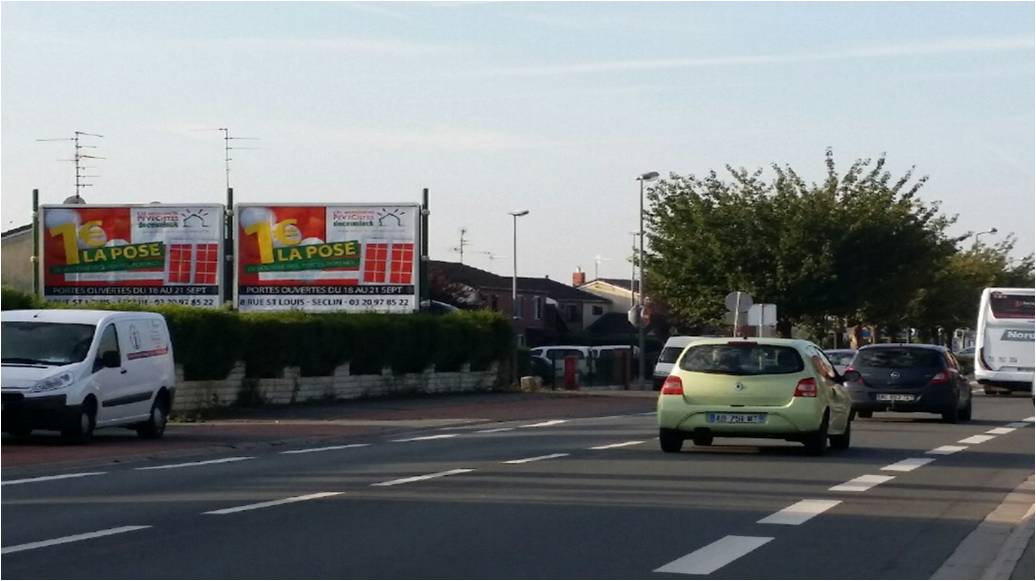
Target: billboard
x=322 y=258
x=152 y=254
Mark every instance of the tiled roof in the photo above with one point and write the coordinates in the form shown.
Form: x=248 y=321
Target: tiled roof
x=17 y=230
x=478 y=278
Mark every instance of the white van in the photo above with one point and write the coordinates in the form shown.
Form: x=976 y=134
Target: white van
x=671 y=351
x=75 y=370
x=555 y=355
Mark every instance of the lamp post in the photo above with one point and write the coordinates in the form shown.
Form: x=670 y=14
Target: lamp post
x=514 y=291
x=645 y=177
x=990 y=231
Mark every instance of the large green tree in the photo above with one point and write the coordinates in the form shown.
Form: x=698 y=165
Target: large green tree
x=857 y=245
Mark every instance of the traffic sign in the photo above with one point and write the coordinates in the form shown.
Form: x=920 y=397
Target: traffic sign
x=738 y=298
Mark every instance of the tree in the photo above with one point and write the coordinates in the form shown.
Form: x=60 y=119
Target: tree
x=856 y=246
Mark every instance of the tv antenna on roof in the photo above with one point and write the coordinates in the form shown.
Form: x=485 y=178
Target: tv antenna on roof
x=598 y=259
x=227 y=138
x=460 y=246
x=78 y=158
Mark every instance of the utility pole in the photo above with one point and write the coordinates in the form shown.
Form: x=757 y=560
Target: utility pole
x=78 y=157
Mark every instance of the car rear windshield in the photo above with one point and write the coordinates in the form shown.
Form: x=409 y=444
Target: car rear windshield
x=742 y=359
x=34 y=343
x=1012 y=306
x=669 y=354
x=899 y=358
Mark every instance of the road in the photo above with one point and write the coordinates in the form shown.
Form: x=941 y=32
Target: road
x=564 y=496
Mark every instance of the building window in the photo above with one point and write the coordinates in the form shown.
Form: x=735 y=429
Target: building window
x=537 y=305
x=598 y=310
x=519 y=311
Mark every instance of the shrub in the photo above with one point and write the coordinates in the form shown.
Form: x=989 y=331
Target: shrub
x=11 y=299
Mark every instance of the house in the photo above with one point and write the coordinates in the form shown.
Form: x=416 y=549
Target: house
x=16 y=248
x=615 y=290
x=547 y=311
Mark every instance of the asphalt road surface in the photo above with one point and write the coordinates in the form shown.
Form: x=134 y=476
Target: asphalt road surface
x=551 y=497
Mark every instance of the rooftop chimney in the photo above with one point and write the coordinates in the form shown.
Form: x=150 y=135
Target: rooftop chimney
x=578 y=277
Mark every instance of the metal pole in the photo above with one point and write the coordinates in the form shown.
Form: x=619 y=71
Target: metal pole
x=514 y=295
x=737 y=314
x=426 y=294
x=228 y=248
x=640 y=294
x=36 y=243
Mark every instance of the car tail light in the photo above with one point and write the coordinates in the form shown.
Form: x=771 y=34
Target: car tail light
x=672 y=386
x=941 y=377
x=806 y=388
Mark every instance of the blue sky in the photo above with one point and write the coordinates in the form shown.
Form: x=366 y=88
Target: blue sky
x=554 y=107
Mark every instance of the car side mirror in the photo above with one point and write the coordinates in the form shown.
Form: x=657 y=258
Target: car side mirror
x=852 y=375
x=111 y=359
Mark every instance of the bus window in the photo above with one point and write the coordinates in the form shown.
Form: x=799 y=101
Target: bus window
x=1005 y=306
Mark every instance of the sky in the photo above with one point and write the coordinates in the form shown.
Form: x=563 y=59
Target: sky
x=550 y=107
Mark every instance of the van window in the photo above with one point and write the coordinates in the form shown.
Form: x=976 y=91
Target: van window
x=562 y=353
x=30 y=342
x=669 y=354
x=109 y=341
x=742 y=359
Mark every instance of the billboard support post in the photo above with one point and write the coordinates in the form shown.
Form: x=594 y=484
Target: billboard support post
x=228 y=249
x=36 y=243
x=426 y=294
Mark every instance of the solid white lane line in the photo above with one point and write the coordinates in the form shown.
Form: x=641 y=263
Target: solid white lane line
x=494 y=430
x=861 y=483
x=544 y=424
x=72 y=539
x=46 y=478
x=534 y=459
x=975 y=439
x=619 y=445
x=908 y=464
x=192 y=464
x=946 y=450
x=714 y=556
x=324 y=449
x=423 y=438
x=424 y=477
x=1000 y=431
x=799 y=512
x=1018 y=425
x=274 y=503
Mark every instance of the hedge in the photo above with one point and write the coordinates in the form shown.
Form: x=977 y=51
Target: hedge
x=15 y=299
x=209 y=341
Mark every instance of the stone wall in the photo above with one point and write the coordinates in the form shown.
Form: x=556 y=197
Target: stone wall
x=236 y=389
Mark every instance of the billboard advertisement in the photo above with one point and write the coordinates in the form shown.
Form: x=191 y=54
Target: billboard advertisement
x=152 y=254
x=318 y=258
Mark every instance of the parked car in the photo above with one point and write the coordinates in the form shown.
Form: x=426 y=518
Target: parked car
x=840 y=358
x=77 y=370
x=759 y=388
x=908 y=378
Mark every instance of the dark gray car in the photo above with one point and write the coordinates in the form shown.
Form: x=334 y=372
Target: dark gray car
x=908 y=378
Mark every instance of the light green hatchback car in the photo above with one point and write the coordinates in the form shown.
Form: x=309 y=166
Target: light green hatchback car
x=754 y=388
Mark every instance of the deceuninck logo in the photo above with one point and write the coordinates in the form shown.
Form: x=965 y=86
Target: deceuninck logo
x=1018 y=335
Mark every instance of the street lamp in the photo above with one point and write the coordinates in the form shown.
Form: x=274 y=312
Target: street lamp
x=514 y=291
x=645 y=177
x=990 y=231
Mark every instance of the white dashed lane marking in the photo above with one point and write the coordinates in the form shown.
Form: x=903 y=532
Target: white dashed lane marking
x=799 y=512
x=274 y=503
x=72 y=539
x=908 y=464
x=619 y=445
x=714 y=556
x=494 y=430
x=544 y=424
x=534 y=459
x=1018 y=424
x=946 y=450
x=193 y=464
x=423 y=438
x=862 y=483
x=1000 y=431
x=975 y=439
x=424 y=477
x=46 y=478
x=325 y=449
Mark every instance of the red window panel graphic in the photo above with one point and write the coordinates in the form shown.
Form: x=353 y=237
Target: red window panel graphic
x=402 y=264
x=375 y=263
x=180 y=263
x=207 y=264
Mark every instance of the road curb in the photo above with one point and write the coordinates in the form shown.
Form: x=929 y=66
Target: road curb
x=993 y=549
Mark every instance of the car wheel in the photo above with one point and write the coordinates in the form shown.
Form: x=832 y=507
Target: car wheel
x=952 y=415
x=965 y=414
x=841 y=441
x=81 y=429
x=865 y=415
x=154 y=427
x=670 y=440
x=816 y=443
x=705 y=440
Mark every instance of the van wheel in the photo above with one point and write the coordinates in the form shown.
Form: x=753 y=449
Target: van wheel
x=841 y=442
x=816 y=443
x=670 y=440
x=81 y=429
x=154 y=427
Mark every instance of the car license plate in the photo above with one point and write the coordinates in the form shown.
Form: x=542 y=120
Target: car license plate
x=737 y=418
x=895 y=397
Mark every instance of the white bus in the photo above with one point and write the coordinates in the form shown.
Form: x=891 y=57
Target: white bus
x=1005 y=339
